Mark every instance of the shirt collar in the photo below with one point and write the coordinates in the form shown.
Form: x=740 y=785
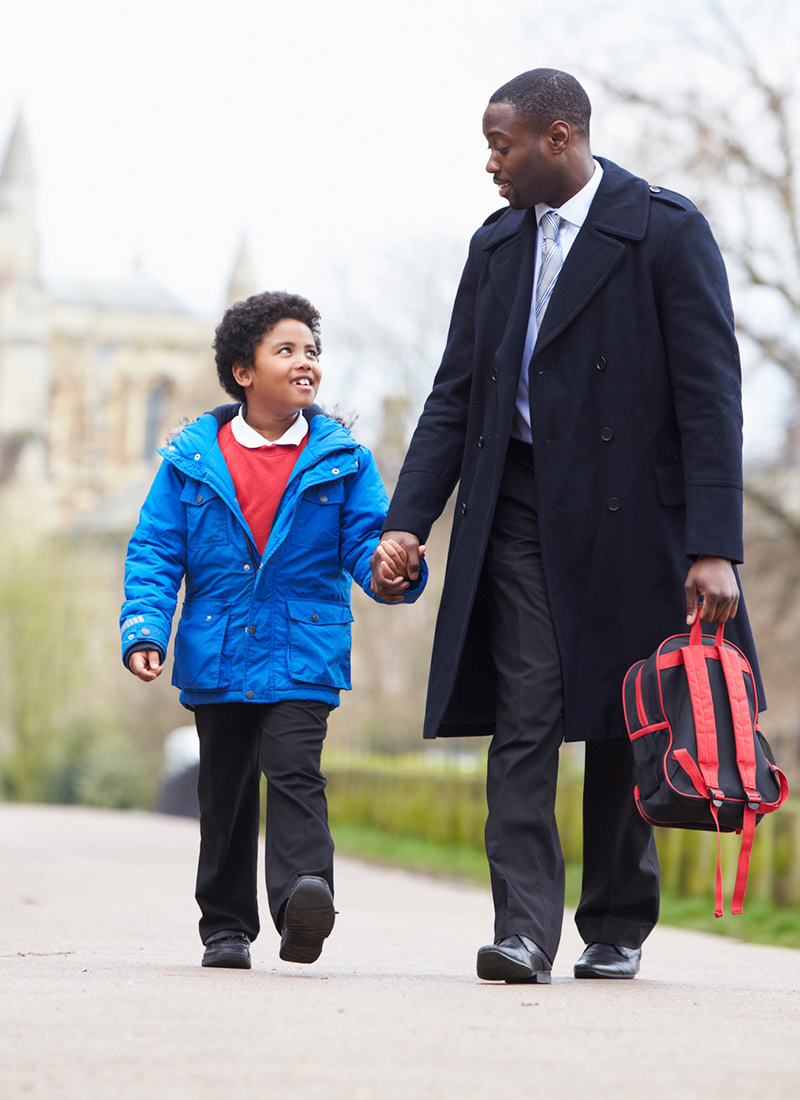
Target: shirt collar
x=574 y=210
x=249 y=437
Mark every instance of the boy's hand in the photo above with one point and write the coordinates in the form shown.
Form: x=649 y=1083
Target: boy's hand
x=146 y=664
x=394 y=559
x=394 y=566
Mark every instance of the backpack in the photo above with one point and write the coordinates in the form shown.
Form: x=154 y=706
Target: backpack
x=700 y=760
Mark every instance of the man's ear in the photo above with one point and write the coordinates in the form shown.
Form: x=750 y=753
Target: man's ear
x=242 y=374
x=559 y=136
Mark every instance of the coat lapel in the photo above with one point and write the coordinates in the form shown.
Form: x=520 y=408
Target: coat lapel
x=511 y=277
x=620 y=210
x=506 y=245
x=591 y=260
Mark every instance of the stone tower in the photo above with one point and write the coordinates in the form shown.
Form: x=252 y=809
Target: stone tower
x=243 y=281
x=24 y=358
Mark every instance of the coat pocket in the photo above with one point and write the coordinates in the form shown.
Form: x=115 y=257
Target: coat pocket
x=199 y=646
x=319 y=642
x=671 y=485
x=206 y=515
x=317 y=517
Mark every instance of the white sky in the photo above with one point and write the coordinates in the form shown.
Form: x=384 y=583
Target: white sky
x=165 y=129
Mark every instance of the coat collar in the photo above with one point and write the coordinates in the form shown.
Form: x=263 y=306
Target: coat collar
x=619 y=212
x=195 y=450
x=621 y=207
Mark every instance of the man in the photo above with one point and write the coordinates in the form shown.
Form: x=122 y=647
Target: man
x=588 y=405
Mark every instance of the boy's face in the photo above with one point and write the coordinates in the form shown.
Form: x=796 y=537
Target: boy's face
x=285 y=374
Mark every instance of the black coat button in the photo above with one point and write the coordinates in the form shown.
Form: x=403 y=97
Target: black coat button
x=601 y=362
x=494 y=376
x=656 y=190
x=613 y=505
x=463 y=509
x=480 y=440
x=606 y=434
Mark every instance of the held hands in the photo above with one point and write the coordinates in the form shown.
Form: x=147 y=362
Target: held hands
x=145 y=663
x=714 y=580
x=395 y=564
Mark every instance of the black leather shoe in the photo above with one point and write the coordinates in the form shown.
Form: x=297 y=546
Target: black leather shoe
x=229 y=949
x=607 y=960
x=307 y=920
x=514 y=959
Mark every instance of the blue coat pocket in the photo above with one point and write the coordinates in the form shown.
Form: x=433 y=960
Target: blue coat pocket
x=317 y=517
x=199 y=646
x=319 y=642
x=206 y=515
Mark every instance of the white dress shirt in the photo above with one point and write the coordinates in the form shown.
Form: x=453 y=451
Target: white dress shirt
x=573 y=214
x=249 y=437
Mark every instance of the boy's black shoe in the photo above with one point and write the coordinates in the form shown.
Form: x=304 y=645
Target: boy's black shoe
x=307 y=920
x=229 y=949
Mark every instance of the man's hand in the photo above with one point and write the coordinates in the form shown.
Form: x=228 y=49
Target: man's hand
x=146 y=664
x=714 y=580
x=395 y=564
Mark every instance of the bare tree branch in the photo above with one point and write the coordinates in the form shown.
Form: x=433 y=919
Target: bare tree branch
x=773 y=508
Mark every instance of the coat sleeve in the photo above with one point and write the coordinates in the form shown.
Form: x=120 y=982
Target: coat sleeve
x=703 y=359
x=155 y=565
x=433 y=462
x=362 y=516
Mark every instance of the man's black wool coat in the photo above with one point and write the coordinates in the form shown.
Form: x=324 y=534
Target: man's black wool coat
x=637 y=430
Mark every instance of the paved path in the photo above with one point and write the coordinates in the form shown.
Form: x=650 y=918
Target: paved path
x=102 y=996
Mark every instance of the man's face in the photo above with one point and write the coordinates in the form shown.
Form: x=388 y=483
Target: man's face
x=521 y=162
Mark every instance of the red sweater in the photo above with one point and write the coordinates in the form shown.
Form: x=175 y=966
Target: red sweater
x=259 y=475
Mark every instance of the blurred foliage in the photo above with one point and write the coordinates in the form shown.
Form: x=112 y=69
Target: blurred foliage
x=761 y=921
x=61 y=734
x=428 y=800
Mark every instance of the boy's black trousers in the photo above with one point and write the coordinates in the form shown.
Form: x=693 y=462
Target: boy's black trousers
x=239 y=741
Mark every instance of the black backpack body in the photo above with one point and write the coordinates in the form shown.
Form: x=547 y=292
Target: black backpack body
x=700 y=760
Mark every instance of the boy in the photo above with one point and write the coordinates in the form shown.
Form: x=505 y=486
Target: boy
x=268 y=508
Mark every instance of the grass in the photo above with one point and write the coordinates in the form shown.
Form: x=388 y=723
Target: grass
x=760 y=922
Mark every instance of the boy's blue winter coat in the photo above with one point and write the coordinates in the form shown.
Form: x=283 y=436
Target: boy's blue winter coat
x=252 y=629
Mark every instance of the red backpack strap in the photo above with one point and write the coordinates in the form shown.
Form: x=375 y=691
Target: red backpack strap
x=742 y=725
x=694 y=661
x=684 y=758
x=743 y=867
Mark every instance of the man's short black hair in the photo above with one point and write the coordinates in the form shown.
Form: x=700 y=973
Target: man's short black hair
x=544 y=96
x=245 y=325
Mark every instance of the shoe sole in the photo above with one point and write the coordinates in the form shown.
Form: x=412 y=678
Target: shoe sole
x=590 y=972
x=308 y=922
x=495 y=966
x=229 y=960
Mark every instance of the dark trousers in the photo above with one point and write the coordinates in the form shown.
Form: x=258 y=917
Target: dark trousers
x=239 y=741
x=619 y=900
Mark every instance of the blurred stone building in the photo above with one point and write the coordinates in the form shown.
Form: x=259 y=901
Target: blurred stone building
x=92 y=375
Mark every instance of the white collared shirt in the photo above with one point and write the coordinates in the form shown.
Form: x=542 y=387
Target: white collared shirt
x=573 y=214
x=249 y=437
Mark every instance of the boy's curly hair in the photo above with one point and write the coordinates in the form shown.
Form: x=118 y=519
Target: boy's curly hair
x=245 y=324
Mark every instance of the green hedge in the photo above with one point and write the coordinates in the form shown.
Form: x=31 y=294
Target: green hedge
x=407 y=797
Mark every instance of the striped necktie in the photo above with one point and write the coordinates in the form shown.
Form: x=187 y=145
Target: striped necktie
x=551 y=262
